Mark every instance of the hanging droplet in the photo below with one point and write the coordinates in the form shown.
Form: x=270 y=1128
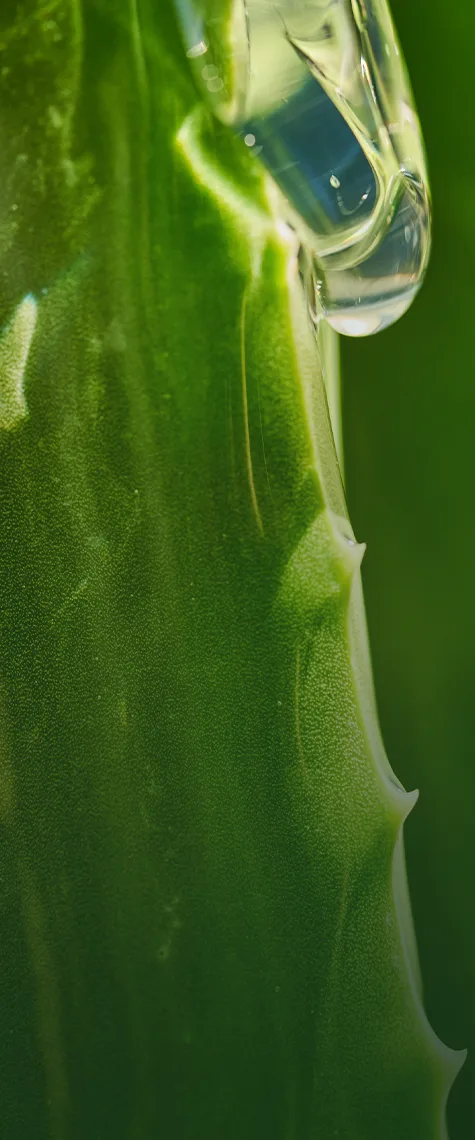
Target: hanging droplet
x=318 y=89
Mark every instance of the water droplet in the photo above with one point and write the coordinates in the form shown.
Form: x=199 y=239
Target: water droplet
x=223 y=38
x=322 y=90
x=216 y=84
x=209 y=72
x=197 y=49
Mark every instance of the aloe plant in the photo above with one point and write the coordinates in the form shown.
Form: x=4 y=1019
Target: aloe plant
x=205 y=922
x=409 y=406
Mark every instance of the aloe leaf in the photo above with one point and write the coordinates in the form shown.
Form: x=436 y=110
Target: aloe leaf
x=205 y=922
x=409 y=402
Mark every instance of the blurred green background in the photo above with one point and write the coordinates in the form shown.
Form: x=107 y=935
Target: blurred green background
x=409 y=424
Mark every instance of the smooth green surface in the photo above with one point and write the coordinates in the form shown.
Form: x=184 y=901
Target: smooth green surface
x=409 y=403
x=204 y=926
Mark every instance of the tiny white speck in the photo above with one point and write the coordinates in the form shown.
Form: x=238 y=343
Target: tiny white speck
x=198 y=49
x=249 y=140
x=285 y=231
x=335 y=182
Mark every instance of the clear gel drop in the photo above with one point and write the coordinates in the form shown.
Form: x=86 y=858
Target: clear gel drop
x=319 y=93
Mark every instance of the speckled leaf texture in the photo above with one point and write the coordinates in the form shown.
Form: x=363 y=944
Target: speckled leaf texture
x=205 y=929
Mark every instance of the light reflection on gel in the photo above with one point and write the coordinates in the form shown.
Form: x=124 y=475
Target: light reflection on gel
x=319 y=91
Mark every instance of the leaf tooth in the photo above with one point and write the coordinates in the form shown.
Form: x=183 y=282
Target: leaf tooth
x=401 y=802
x=449 y=1063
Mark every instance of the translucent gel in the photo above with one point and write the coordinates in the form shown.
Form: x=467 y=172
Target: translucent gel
x=318 y=90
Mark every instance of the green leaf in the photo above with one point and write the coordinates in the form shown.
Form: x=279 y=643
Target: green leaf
x=409 y=403
x=206 y=929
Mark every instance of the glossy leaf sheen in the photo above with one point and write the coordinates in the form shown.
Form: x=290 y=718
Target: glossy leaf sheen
x=201 y=936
